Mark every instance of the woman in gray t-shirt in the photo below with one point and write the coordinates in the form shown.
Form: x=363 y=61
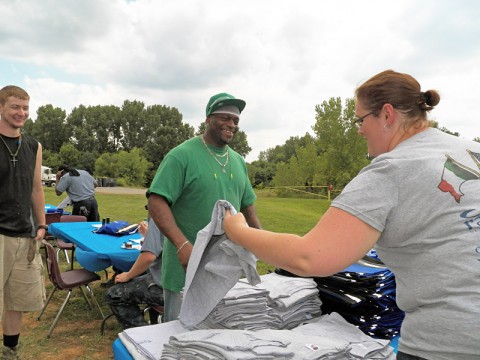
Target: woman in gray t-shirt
x=418 y=203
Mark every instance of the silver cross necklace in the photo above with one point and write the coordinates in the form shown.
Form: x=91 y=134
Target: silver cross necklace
x=14 y=156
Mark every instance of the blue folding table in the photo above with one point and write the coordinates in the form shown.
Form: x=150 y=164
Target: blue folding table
x=94 y=251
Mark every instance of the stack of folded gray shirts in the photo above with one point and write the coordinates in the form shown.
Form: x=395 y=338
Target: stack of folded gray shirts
x=146 y=342
x=334 y=338
x=244 y=307
x=278 y=302
x=293 y=300
x=360 y=345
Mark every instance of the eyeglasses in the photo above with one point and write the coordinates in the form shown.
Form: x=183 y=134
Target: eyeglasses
x=358 y=122
x=228 y=118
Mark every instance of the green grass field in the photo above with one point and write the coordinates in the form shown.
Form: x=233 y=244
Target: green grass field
x=291 y=215
x=130 y=208
x=77 y=334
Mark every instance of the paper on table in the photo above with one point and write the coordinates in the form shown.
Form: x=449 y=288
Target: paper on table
x=137 y=247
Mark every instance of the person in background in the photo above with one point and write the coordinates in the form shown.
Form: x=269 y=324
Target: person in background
x=22 y=218
x=190 y=180
x=141 y=284
x=80 y=188
x=418 y=203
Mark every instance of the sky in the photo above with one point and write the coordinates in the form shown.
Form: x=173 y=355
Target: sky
x=282 y=57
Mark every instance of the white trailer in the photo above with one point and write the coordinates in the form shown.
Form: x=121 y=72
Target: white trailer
x=48 y=177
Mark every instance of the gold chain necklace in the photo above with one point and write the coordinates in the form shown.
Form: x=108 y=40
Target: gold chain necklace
x=214 y=157
x=14 y=156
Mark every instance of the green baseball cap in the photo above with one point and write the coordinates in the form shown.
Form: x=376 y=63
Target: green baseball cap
x=223 y=99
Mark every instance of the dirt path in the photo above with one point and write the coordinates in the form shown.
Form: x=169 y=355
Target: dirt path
x=119 y=190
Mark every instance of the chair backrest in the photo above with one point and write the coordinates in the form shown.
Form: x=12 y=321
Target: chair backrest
x=52 y=217
x=54 y=272
x=73 y=218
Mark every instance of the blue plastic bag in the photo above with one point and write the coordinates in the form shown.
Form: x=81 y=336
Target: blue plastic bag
x=117 y=228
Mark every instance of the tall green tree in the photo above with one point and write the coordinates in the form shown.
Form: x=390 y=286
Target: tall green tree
x=261 y=172
x=95 y=129
x=133 y=124
x=342 y=152
x=82 y=135
x=51 y=159
x=283 y=153
x=28 y=126
x=131 y=166
x=106 y=166
x=70 y=155
x=49 y=127
x=87 y=161
x=301 y=169
x=164 y=129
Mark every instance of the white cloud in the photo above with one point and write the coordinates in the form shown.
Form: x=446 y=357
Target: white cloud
x=282 y=57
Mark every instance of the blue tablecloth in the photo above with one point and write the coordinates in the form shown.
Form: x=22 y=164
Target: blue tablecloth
x=49 y=208
x=96 y=252
x=120 y=352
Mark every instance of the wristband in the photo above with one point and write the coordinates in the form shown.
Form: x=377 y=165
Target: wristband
x=181 y=247
x=44 y=227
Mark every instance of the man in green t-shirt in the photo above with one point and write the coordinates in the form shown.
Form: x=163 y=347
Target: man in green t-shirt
x=190 y=180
